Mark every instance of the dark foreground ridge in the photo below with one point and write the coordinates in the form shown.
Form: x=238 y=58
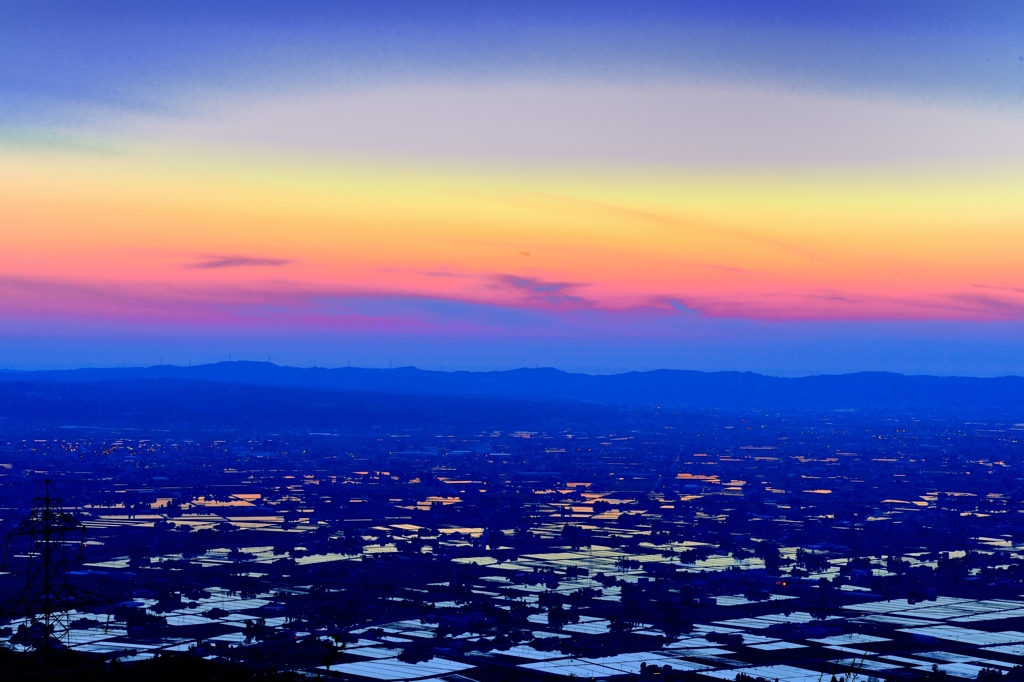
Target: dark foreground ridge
x=71 y=665
x=670 y=389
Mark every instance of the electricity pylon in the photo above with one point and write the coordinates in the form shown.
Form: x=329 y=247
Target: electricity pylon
x=55 y=537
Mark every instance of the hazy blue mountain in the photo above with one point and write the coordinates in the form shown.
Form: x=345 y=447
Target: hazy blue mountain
x=184 y=404
x=669 y=389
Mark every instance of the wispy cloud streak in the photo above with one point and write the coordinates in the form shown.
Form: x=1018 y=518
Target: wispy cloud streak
x=217 y=262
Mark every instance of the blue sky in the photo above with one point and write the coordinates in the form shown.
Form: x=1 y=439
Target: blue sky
x=574 y=101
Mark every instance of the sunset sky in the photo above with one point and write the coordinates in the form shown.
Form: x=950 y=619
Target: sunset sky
x=783 y=187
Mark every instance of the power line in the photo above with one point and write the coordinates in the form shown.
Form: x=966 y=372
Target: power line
x=55 y=537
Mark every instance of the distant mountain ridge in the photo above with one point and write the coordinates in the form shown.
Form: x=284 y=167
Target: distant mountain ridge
x=675 y=389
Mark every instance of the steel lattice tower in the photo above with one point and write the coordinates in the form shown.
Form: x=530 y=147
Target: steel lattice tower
x=55 y=538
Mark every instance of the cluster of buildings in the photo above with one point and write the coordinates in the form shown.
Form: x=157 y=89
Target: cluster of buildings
x=792 y=548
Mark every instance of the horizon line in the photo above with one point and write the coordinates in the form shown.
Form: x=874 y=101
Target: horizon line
x=10 y=371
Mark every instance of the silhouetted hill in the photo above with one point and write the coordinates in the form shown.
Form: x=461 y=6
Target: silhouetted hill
x=186 y=404
x=674 y=389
